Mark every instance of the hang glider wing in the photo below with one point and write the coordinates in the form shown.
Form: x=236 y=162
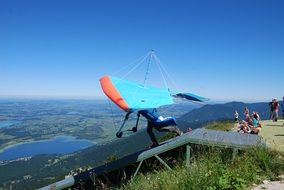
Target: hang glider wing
x=131 y=96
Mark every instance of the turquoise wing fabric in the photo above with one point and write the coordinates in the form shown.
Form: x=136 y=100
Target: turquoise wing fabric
x=138 y=96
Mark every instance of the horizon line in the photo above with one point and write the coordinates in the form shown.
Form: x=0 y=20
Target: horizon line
x=54 y=97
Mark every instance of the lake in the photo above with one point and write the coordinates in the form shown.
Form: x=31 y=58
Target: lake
x=7 y=123
x=57 y=145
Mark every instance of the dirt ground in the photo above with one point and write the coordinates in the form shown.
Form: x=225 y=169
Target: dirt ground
x=273 y=133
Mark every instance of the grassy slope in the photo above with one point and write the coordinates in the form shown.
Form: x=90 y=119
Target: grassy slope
x=215 y=168
x=220 y=125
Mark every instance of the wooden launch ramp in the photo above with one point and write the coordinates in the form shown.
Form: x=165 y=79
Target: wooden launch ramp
x=200 y=136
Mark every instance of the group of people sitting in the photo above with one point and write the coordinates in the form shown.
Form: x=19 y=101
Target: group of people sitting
x=250 y=124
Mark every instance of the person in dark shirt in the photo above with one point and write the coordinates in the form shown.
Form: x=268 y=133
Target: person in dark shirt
x=154 y=120
x=275 y=106
x=271 y=109
x=282 y=105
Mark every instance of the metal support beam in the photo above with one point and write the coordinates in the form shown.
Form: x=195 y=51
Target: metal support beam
x=107 y=180
x=93 y=178
x=65 y=183
x=235 y=152
x=140 y=163
x=187 y=159
x=164 y=163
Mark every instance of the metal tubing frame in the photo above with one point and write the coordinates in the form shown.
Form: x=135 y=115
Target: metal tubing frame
x=93 y=178
x=124 y=121
x=156 y=156
x=164 y=163
x=138 y=168
x=187 y=158
x=235 y=152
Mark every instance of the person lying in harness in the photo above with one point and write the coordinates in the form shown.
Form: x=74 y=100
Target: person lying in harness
x=154 y=120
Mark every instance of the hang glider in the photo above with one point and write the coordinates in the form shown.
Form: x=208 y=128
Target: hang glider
x=131 y=96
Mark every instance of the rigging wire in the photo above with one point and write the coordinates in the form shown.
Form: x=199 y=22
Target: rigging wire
x=137 y=65
x=164 y=73
x=140 y=61
x=132 y=63
x=160 y=69
x=148 y=66
x=167 y=73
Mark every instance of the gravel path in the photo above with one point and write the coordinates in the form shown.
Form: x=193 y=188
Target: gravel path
x=270 y=185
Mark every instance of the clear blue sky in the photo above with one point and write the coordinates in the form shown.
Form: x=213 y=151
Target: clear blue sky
x=221 y=49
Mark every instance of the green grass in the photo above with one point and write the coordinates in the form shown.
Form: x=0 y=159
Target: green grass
x=215 y=169
x=220 y=125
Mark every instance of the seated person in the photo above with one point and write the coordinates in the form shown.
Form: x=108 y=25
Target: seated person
x=257 y=116
x=254 y=122
x=248 y=120
x=243 y=127
x=255 y=129
x=159 y=123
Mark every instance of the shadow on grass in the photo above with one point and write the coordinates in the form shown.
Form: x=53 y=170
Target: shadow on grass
x=274 y=125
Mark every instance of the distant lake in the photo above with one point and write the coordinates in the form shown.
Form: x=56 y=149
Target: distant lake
x=57 y=145
x=7 y=123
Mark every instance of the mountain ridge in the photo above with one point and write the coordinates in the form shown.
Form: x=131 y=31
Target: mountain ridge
x=225 y=111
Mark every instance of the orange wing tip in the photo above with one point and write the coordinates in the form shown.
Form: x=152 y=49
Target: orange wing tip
x=112 y=93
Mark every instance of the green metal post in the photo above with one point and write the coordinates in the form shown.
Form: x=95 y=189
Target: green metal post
x=235 y=152
x=138 y=168
x=187 y=159
x=162 y=161
x=93 y=178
